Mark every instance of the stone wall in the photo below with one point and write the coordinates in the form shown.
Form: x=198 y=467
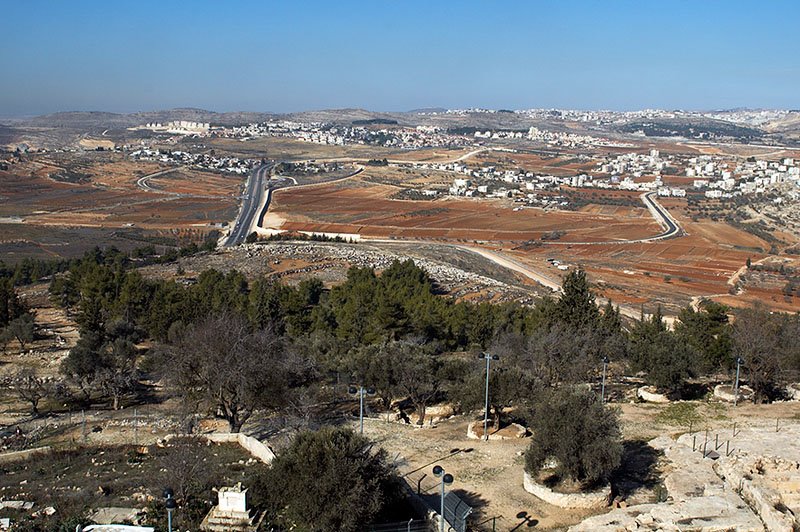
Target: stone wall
x=648 y=393
x=590 y=500
x=251 y=445
x=14 y=456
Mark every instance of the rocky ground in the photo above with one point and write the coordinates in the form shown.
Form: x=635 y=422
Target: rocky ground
x=293 y=261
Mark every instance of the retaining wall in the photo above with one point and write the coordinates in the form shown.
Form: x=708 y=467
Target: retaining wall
x=590 y=500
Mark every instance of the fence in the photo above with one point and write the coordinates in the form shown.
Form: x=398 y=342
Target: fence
x=412 y=525
x=426 y=489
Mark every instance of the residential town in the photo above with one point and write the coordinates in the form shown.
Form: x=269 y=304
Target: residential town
x=201 y=161
x=338 y=135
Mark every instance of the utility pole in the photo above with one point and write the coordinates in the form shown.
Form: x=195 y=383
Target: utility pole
x=447 y=479
x=739 y=362
x=488 y=359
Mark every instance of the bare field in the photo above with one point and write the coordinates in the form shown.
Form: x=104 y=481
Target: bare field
x=669 y=272
x=366 y=209
x=104 y=195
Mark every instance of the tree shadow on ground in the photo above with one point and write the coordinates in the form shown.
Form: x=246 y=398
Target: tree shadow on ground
x=694 y=391
x=473 y=499
x=638 y=469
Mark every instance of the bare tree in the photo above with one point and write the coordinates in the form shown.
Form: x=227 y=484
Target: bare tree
x=22 y=329
x=222 y=365
x=31 y=388
x=759 y=339
x=418 y=376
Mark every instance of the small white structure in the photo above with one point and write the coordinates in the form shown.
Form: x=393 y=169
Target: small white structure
x=231 y=512
x=233 y=500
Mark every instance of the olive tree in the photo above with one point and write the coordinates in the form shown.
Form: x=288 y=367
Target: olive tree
x=576 y=430
x=331 y=479
x=224 y=367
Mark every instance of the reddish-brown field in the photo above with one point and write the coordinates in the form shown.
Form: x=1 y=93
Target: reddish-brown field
x=110 y=197
x=362 y=208
x=44 y=216
x=669 y=272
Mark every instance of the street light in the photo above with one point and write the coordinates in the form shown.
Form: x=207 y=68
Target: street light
x=169 y=495
x=488 y=359
x=447 y=479
x=603 y=386
x=739 y=363
x=361 y=391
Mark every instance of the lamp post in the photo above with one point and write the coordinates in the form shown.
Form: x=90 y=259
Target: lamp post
x=361 y=391
x=170 y=504
x=603 y=386
x=739 y=363
x=447 y=479
x=488 y=359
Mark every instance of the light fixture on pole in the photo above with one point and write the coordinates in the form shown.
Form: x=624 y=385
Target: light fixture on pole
x=170 y=504
x=361 y=391
x=603 y=386
x=447 y=479
x=488 y=359
x=739 y=363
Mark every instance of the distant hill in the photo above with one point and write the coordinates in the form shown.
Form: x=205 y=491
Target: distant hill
x=348 y=116
x=91 y=120
x=426 y=110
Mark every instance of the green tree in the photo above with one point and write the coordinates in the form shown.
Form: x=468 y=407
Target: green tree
x=579 y=432
x=11 y=307
x=708 y=333
x=376 y=366
x=576 y=306
x=667 y=359
x=331 y=479
x=84 y=362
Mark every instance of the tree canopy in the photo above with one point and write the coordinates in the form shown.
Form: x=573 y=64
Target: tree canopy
x=331 y=479
x=581 y=434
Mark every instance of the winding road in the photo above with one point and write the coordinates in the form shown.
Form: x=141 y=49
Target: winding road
x=251 y=216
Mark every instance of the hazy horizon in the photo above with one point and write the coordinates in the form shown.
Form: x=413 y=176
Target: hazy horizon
x=380 y=111
x=281 y=57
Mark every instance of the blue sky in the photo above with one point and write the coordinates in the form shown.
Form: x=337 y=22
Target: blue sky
x=393 y=56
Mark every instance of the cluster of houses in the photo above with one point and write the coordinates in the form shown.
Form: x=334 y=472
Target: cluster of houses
x=200 y=161
x=339 y=135
x=571 y=140
x=634 y=164
x=718 y=180
x=177 y=127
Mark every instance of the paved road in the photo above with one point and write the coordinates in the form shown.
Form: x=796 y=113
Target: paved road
x=254 y=194
x=670 y=224
x=144 y=184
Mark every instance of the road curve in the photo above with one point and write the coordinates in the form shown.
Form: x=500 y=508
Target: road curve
x=670 y=225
